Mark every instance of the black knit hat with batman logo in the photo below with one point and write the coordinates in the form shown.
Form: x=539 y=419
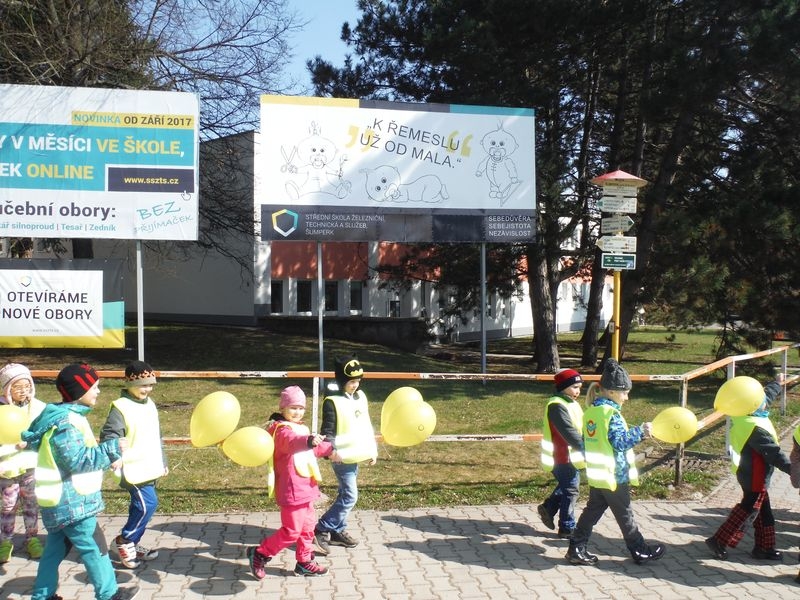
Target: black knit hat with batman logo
x=345 y=369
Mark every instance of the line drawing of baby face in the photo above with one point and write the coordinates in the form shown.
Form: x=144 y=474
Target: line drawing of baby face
x=499 y=143
x=315 y=150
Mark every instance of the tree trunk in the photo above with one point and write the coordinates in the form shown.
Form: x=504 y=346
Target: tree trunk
x=544 y=316
x=594 y=308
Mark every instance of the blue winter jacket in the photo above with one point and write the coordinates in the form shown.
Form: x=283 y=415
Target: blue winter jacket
x=71 y=455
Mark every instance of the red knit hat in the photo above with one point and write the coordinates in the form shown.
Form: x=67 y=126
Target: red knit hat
x=567 y=377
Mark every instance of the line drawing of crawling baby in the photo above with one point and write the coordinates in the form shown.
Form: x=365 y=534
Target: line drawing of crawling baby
x=501 y=171
x=316 y=171
x=383 y=183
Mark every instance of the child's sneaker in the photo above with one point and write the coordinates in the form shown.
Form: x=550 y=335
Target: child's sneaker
x=128 y=593
x=257 y=562
x=6 y=547
x=143 y=553
x=126 y=552
x=342 y=538
x=34 y=547
x=321 y=543
x=309 y=569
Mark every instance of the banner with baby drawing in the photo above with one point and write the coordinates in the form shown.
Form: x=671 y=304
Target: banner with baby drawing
x=330 y=169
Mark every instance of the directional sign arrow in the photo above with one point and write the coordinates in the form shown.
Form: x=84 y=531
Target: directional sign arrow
x=617 y=243
x=615 y=224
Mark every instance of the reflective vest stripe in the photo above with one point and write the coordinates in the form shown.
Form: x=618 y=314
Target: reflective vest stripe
x=741 y=430
x=144 y=458
x=15 y=462
x=305 y=462
x=49 y=485
x=355 y=438
x=600 y=455
x=547 y=445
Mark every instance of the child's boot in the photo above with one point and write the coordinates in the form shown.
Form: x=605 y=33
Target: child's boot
x=6 y=547
x=647 y=552
x=577 y=554
x=34 y=547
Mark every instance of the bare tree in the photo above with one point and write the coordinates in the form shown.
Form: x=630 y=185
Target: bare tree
x=228 y=53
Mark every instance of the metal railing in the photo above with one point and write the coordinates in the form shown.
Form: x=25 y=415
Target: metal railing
x=729 y=363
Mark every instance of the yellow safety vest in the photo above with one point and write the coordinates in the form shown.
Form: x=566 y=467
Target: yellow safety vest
x=14 y=462
x=355 y=437
x=305 y=462
x=548 y=448
x=49 y=484
x=144 y=458
x=741 y=429
x=600 y=455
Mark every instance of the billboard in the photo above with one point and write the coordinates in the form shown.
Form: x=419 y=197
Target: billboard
x=98 y=163
x=61 y=303
x=348 y=170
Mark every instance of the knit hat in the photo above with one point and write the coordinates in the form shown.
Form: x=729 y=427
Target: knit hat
x=139 y=373
x=567 y=377
x=345 y=369
x=292 y=396
x=615 y=377
x=10 y=374
x=75 y=380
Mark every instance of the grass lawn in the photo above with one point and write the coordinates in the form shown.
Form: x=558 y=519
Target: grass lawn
x=433 y=473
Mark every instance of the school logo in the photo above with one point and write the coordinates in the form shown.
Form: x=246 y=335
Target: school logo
x=284 y=222
x=591 y=428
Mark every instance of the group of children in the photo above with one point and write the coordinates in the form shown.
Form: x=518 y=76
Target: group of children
x=599 y=440
x=57 y=471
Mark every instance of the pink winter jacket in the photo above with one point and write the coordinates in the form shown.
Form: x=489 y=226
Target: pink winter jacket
x=291 y=488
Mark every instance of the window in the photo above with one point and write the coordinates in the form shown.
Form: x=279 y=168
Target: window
x=276 y=297
x=304 y=296
x=356 y=296
x=394 y=308
x=331 y=296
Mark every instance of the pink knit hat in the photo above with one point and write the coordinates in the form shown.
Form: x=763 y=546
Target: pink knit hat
x=10 y=374
x=292 y=396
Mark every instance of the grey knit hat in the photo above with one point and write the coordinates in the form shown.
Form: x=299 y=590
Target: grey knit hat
x=615 y=377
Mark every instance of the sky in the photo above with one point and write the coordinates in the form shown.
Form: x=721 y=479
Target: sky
x=321 y=35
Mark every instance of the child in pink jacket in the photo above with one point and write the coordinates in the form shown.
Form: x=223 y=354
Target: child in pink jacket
x=294 y=481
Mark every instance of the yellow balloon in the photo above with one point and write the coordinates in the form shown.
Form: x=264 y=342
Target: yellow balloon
x=409 y=424
x=13 y=421
x=739 y=396
x=214 y=418
x=396 y=399
x=675 y=425
x=249 y=446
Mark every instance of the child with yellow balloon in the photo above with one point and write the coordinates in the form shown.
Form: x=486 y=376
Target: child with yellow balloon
x=294 y=482
x=755 y=452
x=346 y=421
x=17 y=483
x=610 y=468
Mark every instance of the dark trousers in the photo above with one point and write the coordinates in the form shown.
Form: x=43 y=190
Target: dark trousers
x=619 y=501
x=565 y=496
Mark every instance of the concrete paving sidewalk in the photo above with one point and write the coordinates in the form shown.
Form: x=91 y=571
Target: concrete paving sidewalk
x=462 y=552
